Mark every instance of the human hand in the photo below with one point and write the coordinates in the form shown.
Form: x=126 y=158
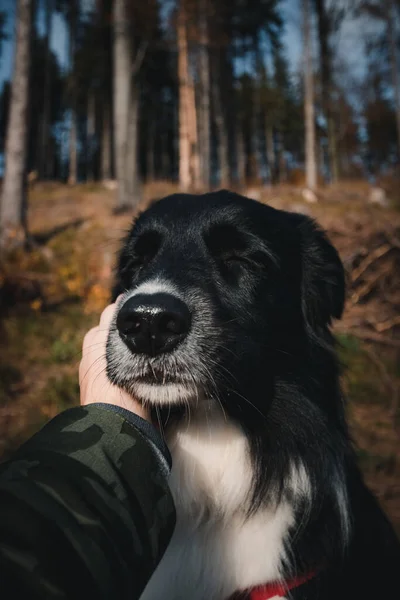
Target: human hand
x=93 y=381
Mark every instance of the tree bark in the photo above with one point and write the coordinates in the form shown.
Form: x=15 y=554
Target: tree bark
x=281 y=169
x=133 y=183
x=189 y=159
x=122 y=78
x=183 y=72
x=73 y=148
x=150 y=154
x=205 y=88
x=90 y=135
x=255 y=167
x=44 y=159
x=309 y=108
x=13 y=200
x=240 y=154
x=324 y=29
x=106 y=142
x=44 y=170
x=73 y=133
x=256 y=162
x=166 y=166
x=195 y=175
x=269 y=139
x=394 y=64
x=221 y=126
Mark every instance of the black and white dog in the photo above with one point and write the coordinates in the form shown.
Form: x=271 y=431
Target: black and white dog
x=224 y=330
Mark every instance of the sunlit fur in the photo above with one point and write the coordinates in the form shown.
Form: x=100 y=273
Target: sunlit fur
x=264 y=476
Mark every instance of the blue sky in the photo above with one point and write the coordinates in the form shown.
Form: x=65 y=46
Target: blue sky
x=58 y=41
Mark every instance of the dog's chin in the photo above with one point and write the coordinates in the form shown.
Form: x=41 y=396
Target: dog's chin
x=164 y=395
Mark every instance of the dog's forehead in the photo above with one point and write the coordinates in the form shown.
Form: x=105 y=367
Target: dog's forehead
x=188 y=206
x=188 y=212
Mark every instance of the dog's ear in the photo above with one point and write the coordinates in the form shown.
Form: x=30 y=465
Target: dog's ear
x=323 y=278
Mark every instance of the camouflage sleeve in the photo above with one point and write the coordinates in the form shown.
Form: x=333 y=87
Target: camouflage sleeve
x=85 y=510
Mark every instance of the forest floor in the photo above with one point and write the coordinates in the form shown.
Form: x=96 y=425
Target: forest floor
x=52 y=295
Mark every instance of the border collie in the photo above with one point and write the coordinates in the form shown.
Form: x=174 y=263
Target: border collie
x=224 y=329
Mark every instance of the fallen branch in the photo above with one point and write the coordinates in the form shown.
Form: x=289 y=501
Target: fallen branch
x=386 y=325
x=372 y=257
x=367 y=287
x=394 y=240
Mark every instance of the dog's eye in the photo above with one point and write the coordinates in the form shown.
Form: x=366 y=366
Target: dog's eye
x=145 y=249
x=232 y=258
x=229 y=247
x=226 y=243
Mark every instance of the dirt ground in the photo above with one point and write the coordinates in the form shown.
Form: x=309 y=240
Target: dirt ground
x=50 y=296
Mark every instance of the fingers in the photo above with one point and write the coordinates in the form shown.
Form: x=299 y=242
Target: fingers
x=107 y=316
x=108 y=313
x=100 y=332
x=94 y=384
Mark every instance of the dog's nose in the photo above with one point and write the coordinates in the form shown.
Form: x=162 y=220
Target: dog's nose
x=153 y=324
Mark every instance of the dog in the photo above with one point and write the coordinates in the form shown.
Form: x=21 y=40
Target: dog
x=224 y=330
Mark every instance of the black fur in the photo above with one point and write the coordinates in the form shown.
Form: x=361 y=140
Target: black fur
x=275 y=284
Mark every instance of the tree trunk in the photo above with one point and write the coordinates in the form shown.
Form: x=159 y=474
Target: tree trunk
x=44 y=155
x=394 y=64
x=281 y=169
x=122 y=79
x=255 y=167
x=150 y=154
x=240 y=154
x=205 y=123
x=309 y=108
x=183 y=73
x=166 y=166
x=90 y=136
x=106 y=142
x=221 y=126
x=133 y=183
x=324 y=28
x=256 y=115
x=195 y=175
x=73 y=133
x=13 y=201
x=73 y=148
x=189 y=159
x=269 y=139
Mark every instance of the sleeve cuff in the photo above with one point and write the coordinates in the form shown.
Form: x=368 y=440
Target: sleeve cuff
x=144 y=427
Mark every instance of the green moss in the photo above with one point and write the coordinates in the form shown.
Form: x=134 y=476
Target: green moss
x=48 y=337
x=368 y=460
x=64 y=349
x=361 y=377
x=348 y=344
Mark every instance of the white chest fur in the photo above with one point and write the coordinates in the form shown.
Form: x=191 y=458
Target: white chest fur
x=216 y=549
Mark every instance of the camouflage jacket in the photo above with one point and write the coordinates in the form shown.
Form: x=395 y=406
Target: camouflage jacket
x=85 y=510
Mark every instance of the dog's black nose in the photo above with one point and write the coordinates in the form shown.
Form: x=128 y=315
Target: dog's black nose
x=153 y=324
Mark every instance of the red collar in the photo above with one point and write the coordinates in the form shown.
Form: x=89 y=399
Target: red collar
x=277 y=588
